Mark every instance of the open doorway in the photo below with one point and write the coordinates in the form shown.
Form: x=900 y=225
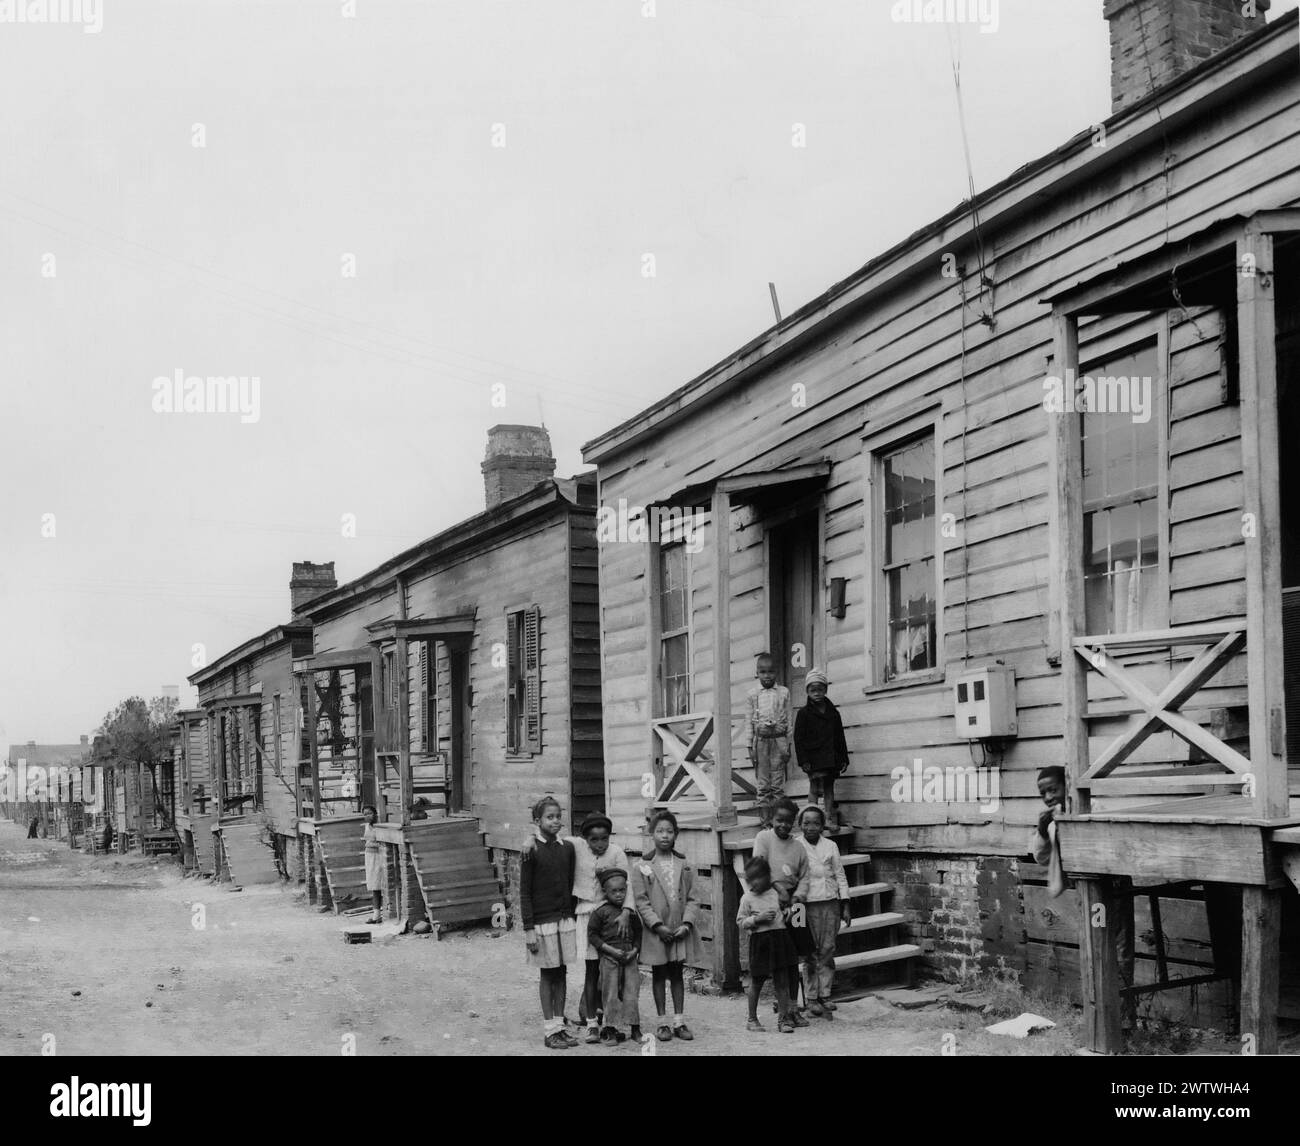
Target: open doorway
x=794 y=596
x=458 y=795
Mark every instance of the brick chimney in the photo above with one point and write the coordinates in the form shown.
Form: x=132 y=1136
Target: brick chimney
x=517 y=458
x=1153 y=42
x=310 y=580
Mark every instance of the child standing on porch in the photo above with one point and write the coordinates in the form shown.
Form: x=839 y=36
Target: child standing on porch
x=546 y=905
x=819 y=740
x=767 y=728
x=376 y=872
x=663 y=890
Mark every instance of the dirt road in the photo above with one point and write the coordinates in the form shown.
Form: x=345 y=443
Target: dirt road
x=103 y=955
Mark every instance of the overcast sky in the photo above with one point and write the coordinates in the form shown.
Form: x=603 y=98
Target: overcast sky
x=128 y=253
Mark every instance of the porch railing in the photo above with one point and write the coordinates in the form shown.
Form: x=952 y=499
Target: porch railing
x=688 y=774
x=1219 y=764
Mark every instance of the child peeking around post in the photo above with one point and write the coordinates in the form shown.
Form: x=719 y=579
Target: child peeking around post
x=1042 y=840
x=771 y=952
x=618 y=947
x=663 y=890
x=546 y=905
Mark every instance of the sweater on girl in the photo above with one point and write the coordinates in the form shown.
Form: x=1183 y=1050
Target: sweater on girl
x=546 y=882
x=826 y=879
x=751 y=905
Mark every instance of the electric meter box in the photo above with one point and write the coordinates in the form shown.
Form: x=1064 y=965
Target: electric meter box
x=984 y=701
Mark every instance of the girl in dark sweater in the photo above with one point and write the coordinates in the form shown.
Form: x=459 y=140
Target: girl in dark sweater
x=820 y=745
x=546 y=905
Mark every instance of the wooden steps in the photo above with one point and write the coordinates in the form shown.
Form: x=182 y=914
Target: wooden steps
x=868 y=951
x=856 y=891
x=342 y=854
x=455 y=871
x=248 y=858
x=205 y=851
x=872 y=922
x=879 y=955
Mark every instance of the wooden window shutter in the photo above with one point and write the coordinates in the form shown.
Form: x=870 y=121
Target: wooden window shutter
x=532 y=679
x=422 y=733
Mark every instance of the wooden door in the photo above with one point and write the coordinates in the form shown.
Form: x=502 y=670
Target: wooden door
x=795 y=580
x=458 y=797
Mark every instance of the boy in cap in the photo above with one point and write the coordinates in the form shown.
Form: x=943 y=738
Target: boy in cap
x=819 y=742
x=620 y=977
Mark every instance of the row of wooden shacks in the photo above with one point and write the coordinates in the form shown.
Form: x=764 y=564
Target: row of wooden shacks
x=997 y=569
x=93 y=799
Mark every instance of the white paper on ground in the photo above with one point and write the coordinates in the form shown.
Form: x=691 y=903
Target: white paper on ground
x=1020 y=1026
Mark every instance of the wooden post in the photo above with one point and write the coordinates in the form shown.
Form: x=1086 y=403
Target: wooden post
x=314 y=747
x=1261 y=942
x=1098 y=966
x=1067 y=529
x=721 y=512
x=654 y=649
x=1257 y=354
x=403 y=727
x=185 y=765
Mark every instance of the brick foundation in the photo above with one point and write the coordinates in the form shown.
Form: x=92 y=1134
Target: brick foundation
x=964 y=912
x=507 y=865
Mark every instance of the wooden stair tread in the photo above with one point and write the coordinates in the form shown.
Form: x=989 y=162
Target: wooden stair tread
x=873 y=922
x=879 y=955
x=870 y=889
x=853 y=860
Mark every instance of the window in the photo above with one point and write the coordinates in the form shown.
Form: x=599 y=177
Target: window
x=674 y=629
x=524 y=682
x=1121 y=505
x=906 y=570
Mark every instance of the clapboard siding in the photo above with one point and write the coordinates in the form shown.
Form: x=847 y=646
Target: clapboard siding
x=268 y=671
x=548 y=561
x=915 y=345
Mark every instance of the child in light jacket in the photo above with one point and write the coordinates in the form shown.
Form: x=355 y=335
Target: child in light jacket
x=663 y=890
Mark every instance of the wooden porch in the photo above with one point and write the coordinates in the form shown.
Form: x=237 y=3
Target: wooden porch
x=1217 y=812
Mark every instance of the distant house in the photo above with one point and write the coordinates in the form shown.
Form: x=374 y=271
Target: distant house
x=1016 y=485
x=238 y=751
x=458 y=682
x=47 y=778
